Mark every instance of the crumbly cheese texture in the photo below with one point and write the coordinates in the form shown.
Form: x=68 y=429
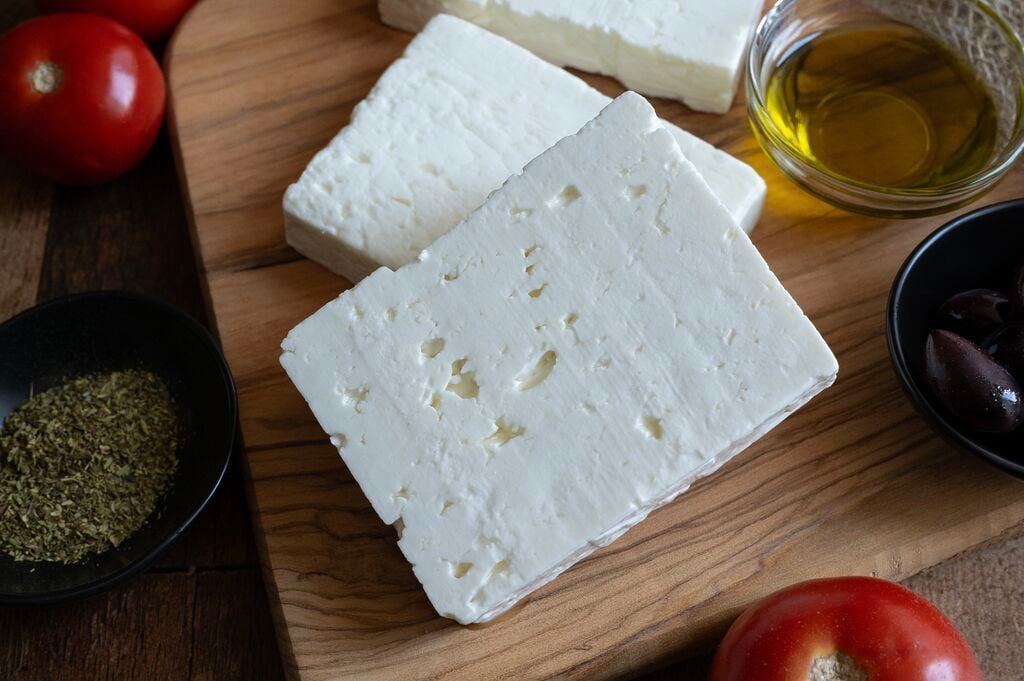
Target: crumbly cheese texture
x=575 y=354
x=690 y=50
x=446 y=125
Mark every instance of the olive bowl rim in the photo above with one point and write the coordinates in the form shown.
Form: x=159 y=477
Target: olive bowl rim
x=936 y=418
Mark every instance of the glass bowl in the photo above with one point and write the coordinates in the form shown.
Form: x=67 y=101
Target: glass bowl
x=970 y=28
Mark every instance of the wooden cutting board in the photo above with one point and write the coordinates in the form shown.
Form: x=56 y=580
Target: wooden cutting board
x=854 y=483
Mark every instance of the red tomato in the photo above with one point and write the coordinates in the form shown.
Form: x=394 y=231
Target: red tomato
x=81 y=97
x=151 y=19
x=890 y=632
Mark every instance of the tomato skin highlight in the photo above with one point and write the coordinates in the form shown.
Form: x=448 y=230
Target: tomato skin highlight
x=153 y=20
x=889 y=631
x=81 y=98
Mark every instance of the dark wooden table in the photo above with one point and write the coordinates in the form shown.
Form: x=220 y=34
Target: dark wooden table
x=201 y=613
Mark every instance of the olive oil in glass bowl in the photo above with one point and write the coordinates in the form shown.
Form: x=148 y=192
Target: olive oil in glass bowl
x=898 y=108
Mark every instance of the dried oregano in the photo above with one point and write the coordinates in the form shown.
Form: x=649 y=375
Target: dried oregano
x=82 y=465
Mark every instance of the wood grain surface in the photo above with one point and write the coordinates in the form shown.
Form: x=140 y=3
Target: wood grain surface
x=201 y=613
x=853 y=484
x=202 y=608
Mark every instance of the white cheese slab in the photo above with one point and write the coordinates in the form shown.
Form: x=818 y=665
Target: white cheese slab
x=575 y=354
x=446 y=125
x=690 y=50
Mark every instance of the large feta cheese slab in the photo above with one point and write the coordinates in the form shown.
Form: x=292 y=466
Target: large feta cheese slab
x=690 y=50
x=575 y=354
x=447 y=124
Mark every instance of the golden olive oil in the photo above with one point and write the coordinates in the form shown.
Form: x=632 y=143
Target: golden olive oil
x=884 y=105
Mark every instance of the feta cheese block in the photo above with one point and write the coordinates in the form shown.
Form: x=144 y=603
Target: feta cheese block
x=575 y=354
x=690 y=50
x=447 y=124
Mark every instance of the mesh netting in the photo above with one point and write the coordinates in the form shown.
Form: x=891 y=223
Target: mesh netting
x=964 y=27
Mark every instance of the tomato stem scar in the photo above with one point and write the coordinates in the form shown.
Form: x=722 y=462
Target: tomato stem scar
x=46 y=77
x=836 y=667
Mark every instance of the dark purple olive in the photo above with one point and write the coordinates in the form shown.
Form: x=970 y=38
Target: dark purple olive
x=1006 y=346
x=979 y=392
x=1017 y=293
x=974 y=314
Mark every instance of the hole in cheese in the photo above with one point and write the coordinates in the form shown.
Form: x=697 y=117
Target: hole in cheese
x=466 y=386
x=432 y=348
x=536 y=374
x=503 y=433
x=652 y=426
x=566 y=197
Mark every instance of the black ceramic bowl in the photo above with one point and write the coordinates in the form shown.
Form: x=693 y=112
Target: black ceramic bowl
x=108 y=331
x=977 y=250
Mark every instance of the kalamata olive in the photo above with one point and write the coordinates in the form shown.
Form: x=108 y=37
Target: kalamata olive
x=1006 y=346
x=978 y=391
x=975 y=314
x=1017 y=293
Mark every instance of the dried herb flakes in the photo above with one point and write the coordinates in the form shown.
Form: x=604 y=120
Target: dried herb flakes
x=82 y=465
